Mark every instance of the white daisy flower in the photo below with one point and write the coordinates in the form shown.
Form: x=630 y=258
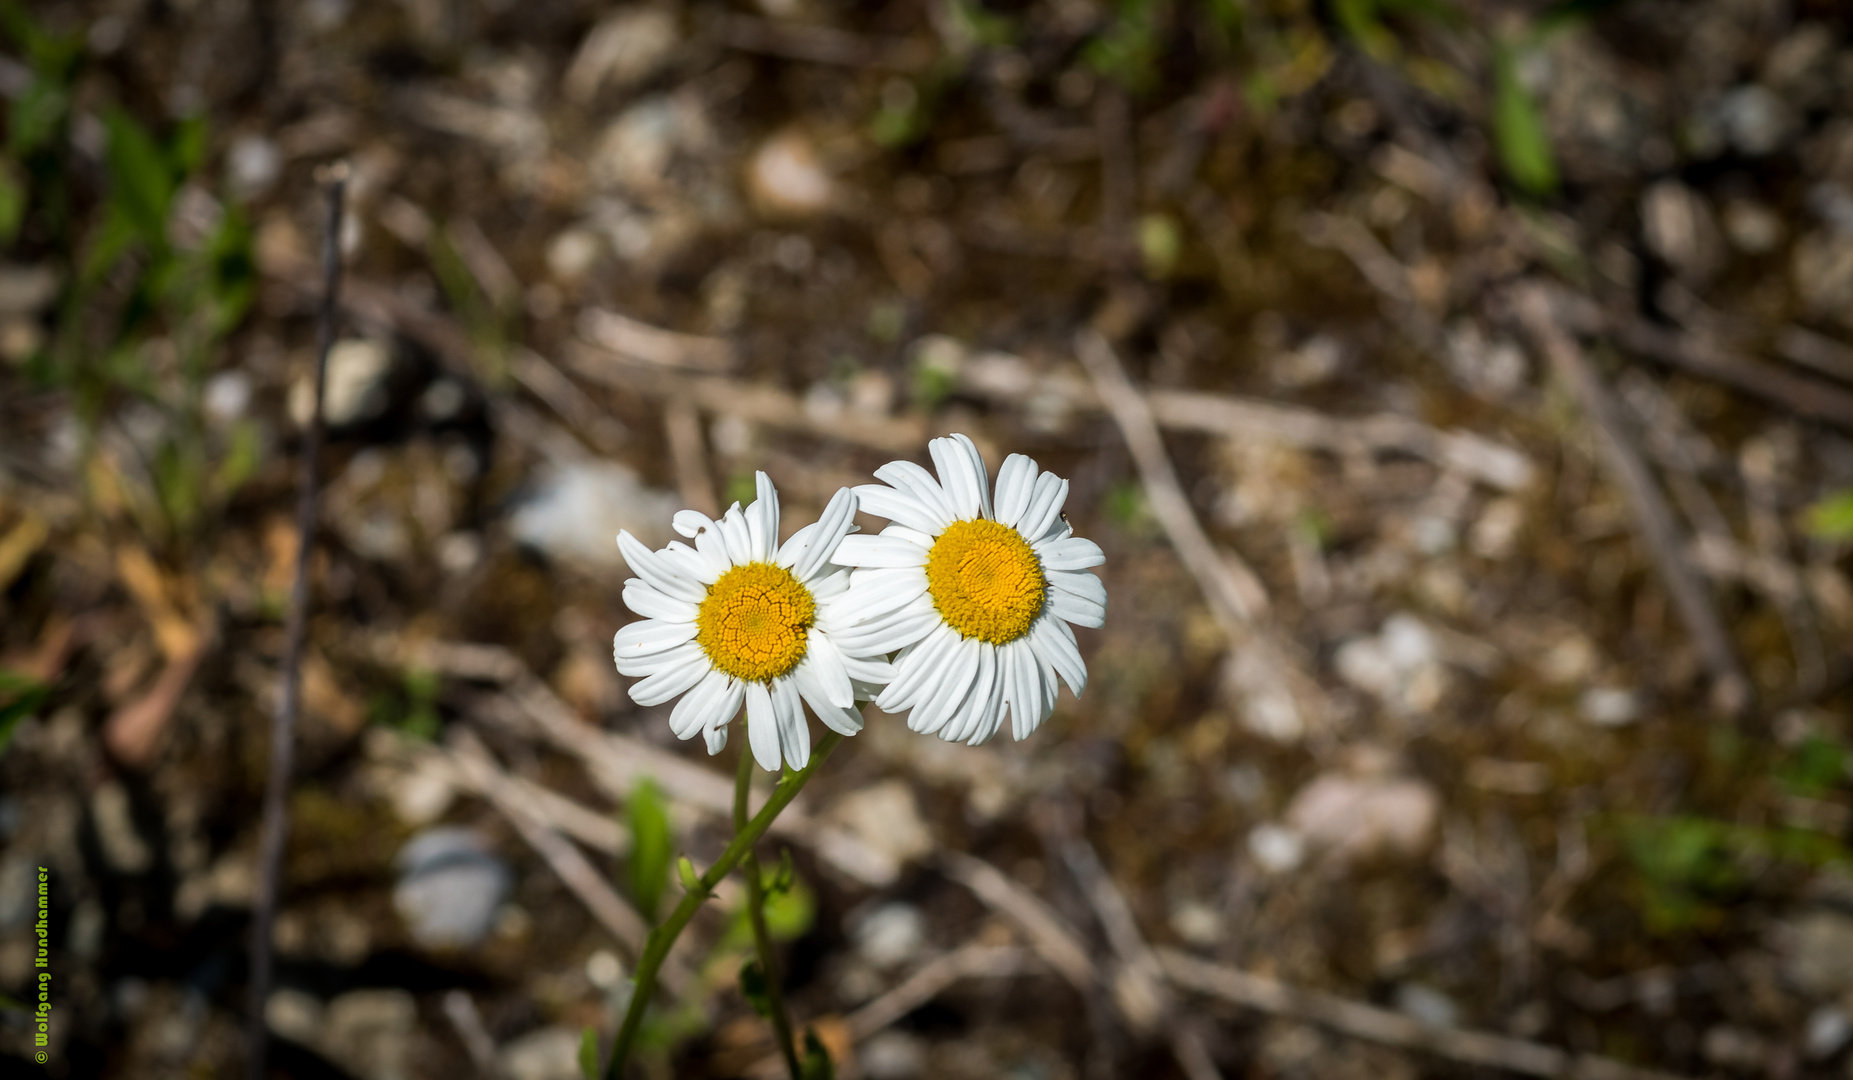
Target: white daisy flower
x=976 y=595
x=740 y=619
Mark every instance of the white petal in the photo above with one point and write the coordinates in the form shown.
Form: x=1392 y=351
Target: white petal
x=1025 y=689
x=1073 y=553
x=647 y=636
x=875 y=593
x=841 y=721
x=736 y=536
x=829 y=586
x=912 y=536
x=794 y=733
x=716 y=738
x=794 y=547
x=826 y=662
x=940 y=698
x=1016 y=480
x=911 y=478
x=1080 y=583
x=1080 y=610
x=1054 y=645
x=959 y=480
x=655 y=572
x=915 y=671
x=762 y=519
x=900 y=507
x=723 y=711
x=690 y=522
x=646 y=601
x=832 y=529
x=762 y=727
x=970 y=712
x=970 y=449
x=670 y=681
x=1045 y=506
x=888 y=633
x=993 y=716
x=879 y=551
x=649 y=664
x=869 y=671
x=714 y=549
x=692 y=562
x=695 y=711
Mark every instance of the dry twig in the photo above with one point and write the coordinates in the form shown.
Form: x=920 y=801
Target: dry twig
x=1138 y=985
x=757 y=402
x=283 y=726
x=1390 y=1028
x=1233 y=591
x=1654 y=521
x=479 y=768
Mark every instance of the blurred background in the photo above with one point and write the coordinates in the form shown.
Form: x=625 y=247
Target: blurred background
x=1474 y=694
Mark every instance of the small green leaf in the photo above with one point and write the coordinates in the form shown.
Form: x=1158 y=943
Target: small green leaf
x=26 y=694
x=779 y=882
x=13 y=196
x=790 y=912
x=691 y=881
x=1832 y=518
x=753 y=987
x=649 y=863
x=588 y=1054
x=1160 y=243
x=816 y=1064
x=1518 y=128
x=141 y=181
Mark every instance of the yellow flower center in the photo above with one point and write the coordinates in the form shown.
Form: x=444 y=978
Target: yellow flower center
x=985 y=580
x=755 y=621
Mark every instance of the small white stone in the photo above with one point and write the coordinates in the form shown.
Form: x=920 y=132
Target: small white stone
x=355 y=389
x=228 y=395
x=1608 y=706
x=603 y=969
x=571 y=253
x=892 y=1055
x=1829 y=1029
x=577 y=509
x=1365 y=817
x=253 y=164
x=294 y=1015
x=786 y=178
x=369 y=1033
x=442 y=400
x=123 y=848
x=1428 y=1005
x=552 y=1053
x=886 y=817
x=1276 y=850
x=891 y=935
x=1197 y=923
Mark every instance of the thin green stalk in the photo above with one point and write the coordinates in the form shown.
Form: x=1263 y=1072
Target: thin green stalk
x=664 y=936
x=756 y=914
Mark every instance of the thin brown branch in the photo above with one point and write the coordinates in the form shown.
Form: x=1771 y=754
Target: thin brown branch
x=1371 y=1023
x=1654 y=521
x=479 y=768
x=283 y=725
x=1701 y=356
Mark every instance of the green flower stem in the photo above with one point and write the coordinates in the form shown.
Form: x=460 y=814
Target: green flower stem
x=756 y=914
x=664 y=936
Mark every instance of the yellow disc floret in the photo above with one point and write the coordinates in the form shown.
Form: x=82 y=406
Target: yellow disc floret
x=755 y=621
x=985 y=580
